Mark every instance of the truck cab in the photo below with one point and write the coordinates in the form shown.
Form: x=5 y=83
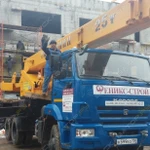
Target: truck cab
x=100 y=100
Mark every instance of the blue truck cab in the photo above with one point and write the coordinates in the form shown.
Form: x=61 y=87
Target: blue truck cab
x=100 y=99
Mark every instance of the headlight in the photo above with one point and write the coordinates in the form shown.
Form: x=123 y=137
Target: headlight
x=85 y=132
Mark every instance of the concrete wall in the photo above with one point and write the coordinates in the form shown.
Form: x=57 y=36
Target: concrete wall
x=70 y=11
x=145 y=36
x=10 y=12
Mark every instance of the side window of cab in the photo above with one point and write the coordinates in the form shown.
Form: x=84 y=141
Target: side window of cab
x=67 y=65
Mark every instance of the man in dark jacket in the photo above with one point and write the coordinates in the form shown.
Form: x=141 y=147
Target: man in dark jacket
x=20 y=46
x=9 y=63
x=49 y=68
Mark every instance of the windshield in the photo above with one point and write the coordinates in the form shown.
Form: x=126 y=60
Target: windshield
x=112 y=65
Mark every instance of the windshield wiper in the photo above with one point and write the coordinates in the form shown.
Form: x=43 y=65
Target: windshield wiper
x=96 y=76
x=134 y=78
x=92 y=76
x=118 y=77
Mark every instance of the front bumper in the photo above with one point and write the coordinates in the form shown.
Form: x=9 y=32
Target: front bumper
x=102 y=138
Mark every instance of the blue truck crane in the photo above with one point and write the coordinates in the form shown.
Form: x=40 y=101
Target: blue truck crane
x=101 y=102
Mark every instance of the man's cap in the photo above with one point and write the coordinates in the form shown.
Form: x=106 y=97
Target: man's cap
x=53 y=42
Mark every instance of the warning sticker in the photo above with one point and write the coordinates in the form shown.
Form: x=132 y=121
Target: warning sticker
x=67 y=100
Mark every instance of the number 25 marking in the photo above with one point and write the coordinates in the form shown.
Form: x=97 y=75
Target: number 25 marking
x=104 y=21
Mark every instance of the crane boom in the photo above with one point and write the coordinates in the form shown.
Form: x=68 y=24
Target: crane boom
x=128 y=17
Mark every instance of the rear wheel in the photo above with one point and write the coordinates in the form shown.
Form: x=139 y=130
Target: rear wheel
x=8 y=129
x=54 y=142
x=17 y=137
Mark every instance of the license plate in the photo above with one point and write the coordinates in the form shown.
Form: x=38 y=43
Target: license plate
x=127 y=141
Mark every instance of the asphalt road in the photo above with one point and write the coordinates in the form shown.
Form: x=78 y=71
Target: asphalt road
x=5 y=145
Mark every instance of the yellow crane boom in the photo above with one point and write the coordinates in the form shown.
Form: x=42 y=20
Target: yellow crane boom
x=128 y=17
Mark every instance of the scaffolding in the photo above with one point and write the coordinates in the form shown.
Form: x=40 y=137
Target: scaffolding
x=8 y=48
x=1 y=55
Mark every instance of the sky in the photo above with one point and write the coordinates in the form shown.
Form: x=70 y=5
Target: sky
x=119 y=1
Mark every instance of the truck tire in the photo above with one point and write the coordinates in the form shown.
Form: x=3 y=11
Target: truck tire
x=17 y=137
x=8 y=129
x=54 y=142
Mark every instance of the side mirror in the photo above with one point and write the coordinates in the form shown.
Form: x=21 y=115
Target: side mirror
x=60 y=74
x=83 y=49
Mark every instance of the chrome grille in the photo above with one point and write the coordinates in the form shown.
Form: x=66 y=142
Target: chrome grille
x=116 y=115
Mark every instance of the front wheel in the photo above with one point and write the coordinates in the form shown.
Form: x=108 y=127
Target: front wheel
x=54 y=142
